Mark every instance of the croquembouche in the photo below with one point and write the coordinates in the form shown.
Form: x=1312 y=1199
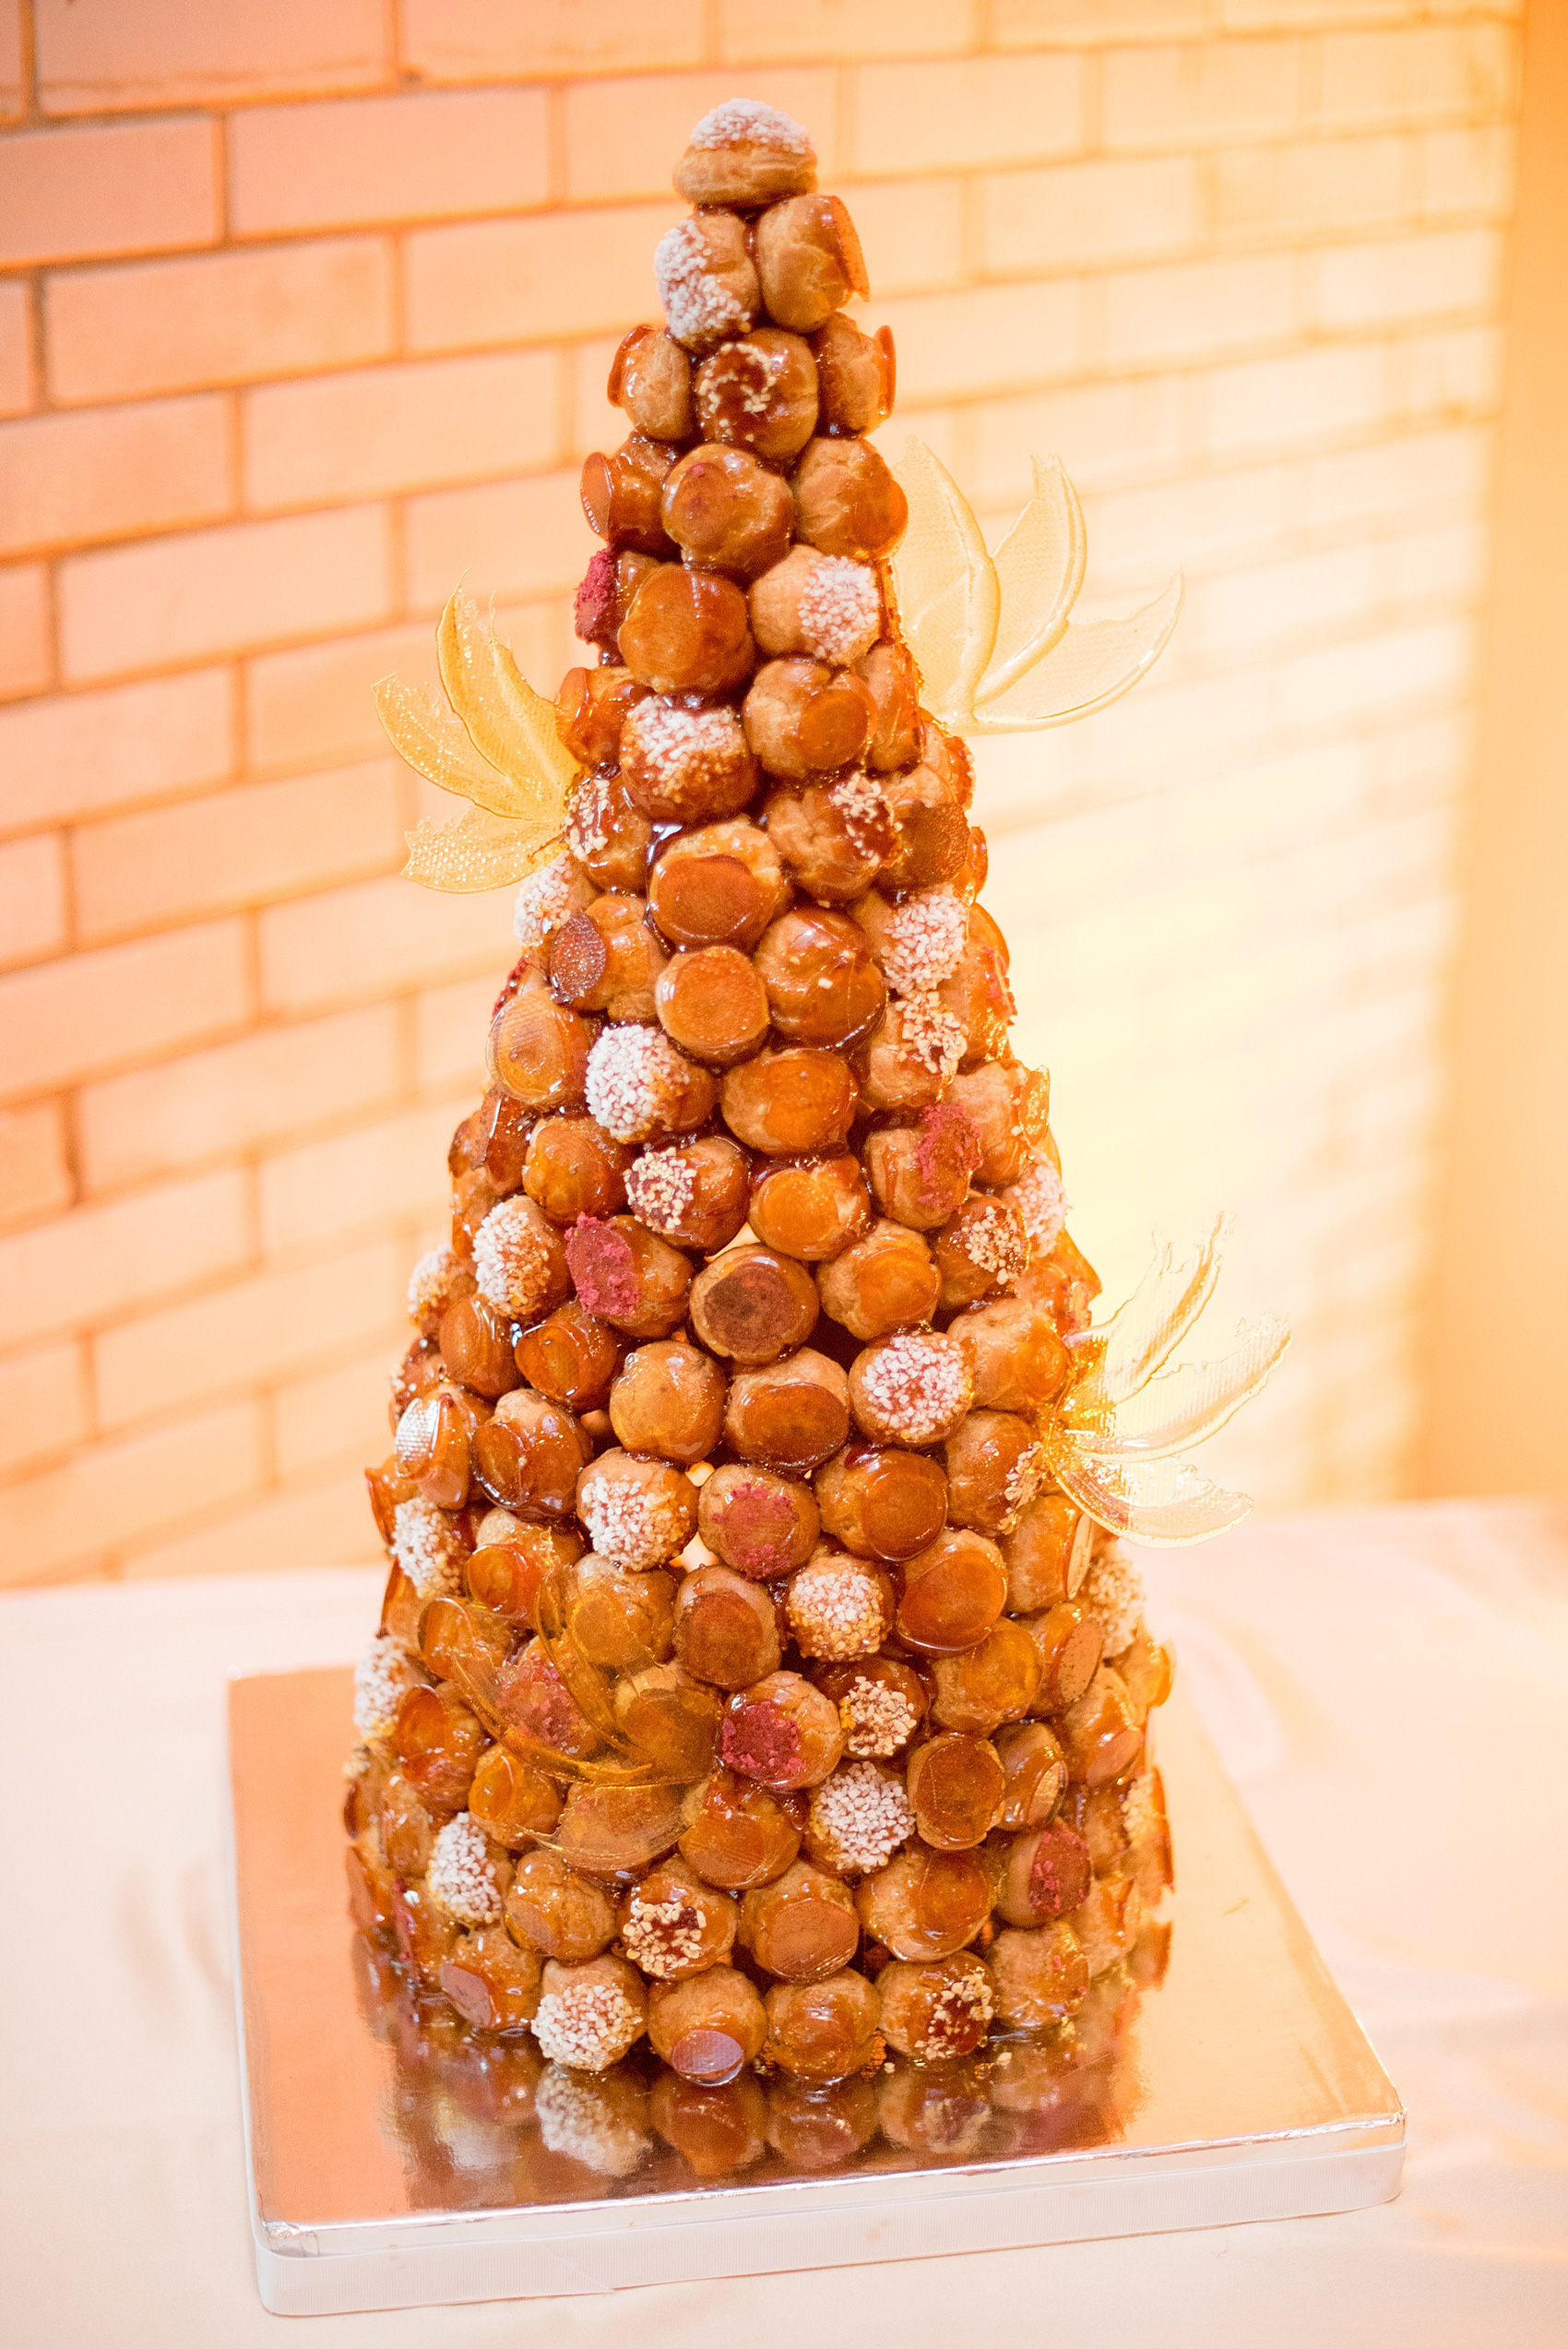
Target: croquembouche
x=761 y=1672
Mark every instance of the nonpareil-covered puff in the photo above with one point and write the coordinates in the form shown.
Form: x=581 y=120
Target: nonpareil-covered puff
x=859 y=1818
x=994 y=1470
x=838 y=1607
x=909 y=1059
x=437 y=1280
x=822 y=605
x=640 y=1089
x=552 y=895
x=919 y=941
x=743 y=152
x=672 y=1924
x=588 y=2015
x=686 y=764
x=708 y=283
x=937 y=2012
x=881 y=1701
x=691 y=1194
x=608 y=838
x=637 y=1512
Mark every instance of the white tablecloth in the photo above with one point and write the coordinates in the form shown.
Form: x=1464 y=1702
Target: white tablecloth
x=1389 y=1689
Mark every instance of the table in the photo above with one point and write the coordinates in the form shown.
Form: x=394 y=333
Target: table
x=1387 y=1688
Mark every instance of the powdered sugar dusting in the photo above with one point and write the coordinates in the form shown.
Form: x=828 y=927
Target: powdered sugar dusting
x=912 y=1388
x=1113 y=1590
x=459 y=1877
x=836 y=1608
x=575 y=2119
x=747 y=122
x=926 y=936
x=929 y=1034
x=437 y=1280
x=840 y=610
x=428 y=1548
x=634 y=1078
x=862 y=1815
x=587 y=2024
x=698 y=304
x=878 y=1718
x=545 y=900
x=513 y=1257
x=1042 y=1202
x=383 y=1678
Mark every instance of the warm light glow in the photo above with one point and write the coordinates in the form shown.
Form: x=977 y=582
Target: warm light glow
x=294 y=333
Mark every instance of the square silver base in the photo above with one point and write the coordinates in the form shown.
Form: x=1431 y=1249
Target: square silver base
x=1239 y=2086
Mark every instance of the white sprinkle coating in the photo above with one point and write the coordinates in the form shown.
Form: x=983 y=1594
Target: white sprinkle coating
x=840 y=610
x=915 y=1386
x=428 y=1548
x=929 y=1034
x=1040 y=1198
x=959 y=2006
x=698 y=304
x=672 y=746
x=859 y=1816
x=747 y=122
x=836 y=1608
x=664 y=1938
x=878 y=1719
x=990 y=1236
x=587 y=822
x=545 y=900
x=926 y=936
x=383 y=1678
x=575 y=2119
x=633 y=1524
x=459 y=1877
x=1024 y=1480
x=860 y=801
x=1113 y=1590
x=437 y=1280
x=741 y=374
x=1140 y=1813
x=512 y=1257
x=660 y=1187
x=634 y=1078
x=587 y=2024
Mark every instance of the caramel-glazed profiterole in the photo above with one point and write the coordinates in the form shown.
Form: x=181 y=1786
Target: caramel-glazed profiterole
x=746 y=1686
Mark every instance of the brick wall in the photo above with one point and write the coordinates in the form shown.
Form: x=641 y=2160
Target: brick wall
x=305 y=308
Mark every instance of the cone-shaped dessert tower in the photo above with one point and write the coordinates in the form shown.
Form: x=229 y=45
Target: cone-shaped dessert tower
x=759 y=1669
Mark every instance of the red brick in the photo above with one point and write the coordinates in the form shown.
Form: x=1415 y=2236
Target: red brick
x=964 y=112
x=82 y=754
x=114 y=1492
x=238 y=1336
x=988 y=338
x=122 y=187
x=517 y=538
x=508 y=281
x=377 y=937
x=27 y=656
x=32 y=898
x=43 y=1405
x=65 y=1021
x=113 y=473
x=249 y=843
x=624 y=137
x=103 y=1260
x=390 y=1173
x=226 y=317
x=1078 y=216
x=223 y=590
x=16 y=349
x=12 y=77
x=384 y=429
x=337 y=1415
x=449 y=1033
x=495 y=40
x=368 y=160
x=326 y=1524
x=760 y=28
x=96 y=56
x=274 y=1083
x=35 y=1173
